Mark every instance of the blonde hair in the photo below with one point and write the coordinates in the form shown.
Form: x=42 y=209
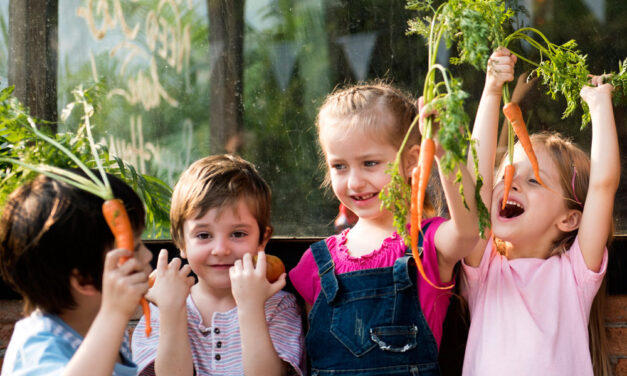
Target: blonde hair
x=376 y=109
x=215 y=182
x=573 y=167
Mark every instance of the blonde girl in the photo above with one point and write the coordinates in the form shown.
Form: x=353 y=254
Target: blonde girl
x=369 y=311
x=530 y=304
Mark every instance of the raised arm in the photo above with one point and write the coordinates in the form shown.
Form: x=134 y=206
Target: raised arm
x=457 y=236
x=251 y=289
x=596 y=219
x=170 y=291
x=122 y=288
x=485 y=132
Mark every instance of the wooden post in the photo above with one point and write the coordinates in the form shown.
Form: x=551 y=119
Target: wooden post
x=33 y=56
x=226 y=44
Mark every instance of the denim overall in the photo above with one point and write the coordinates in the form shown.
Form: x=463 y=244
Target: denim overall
x=369 y=322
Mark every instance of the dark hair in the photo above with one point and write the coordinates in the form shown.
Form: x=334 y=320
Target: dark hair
x=214 y=182
x=49 y=230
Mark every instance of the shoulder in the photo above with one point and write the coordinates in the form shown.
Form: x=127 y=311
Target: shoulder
x=280 y=301
x=40 y=340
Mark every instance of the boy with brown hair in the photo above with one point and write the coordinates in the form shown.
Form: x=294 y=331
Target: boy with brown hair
x=232 y=321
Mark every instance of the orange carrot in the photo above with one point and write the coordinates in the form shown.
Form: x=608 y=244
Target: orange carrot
x=116 y=216
x=508 y=176
x=420 y=180
x=513 y=113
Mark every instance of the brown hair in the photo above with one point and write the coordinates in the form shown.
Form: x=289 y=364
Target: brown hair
x=215 y=182
x=49 y=230
x=376 y=109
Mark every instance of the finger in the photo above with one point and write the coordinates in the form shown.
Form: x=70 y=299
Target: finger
x=162 y=261
x=247 y=262
x=191 y=281
x=175 y=264
x=261 y=262
x=185 y=269
x=279 y=284
x=113 y=257
x=237 y=265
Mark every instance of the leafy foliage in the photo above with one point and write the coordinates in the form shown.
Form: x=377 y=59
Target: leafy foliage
x=18 y=141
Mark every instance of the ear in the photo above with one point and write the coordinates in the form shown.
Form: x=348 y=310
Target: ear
x=570 y=221
x=410 y=160
x=80 y=284
x=266 y=237
x=182 y=253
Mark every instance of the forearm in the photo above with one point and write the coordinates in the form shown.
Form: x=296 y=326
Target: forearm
x=457 y=237
x=485 y=133
x=174 y=355
x=604 y=152
x=100 y=349
x=258 y=352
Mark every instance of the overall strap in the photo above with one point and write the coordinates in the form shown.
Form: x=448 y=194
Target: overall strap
x=326 y=269
x=402 y=276
x=420 y=239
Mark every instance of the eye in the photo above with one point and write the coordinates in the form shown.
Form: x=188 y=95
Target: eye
x=371 y=163
x=338 y=166
x=533 y=181
x=203 y=235
x=239 y=234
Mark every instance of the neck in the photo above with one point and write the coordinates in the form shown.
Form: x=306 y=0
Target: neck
x=209 y=300
x=539 y=250
x=366 y=236
x=79 y=319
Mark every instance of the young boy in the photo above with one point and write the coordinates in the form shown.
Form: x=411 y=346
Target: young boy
x=55 y=250
x=232 y=321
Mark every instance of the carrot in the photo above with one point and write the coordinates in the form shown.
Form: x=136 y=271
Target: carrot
x=513 y=113
x=508 y=176
x=419 y=182
x=116 y=216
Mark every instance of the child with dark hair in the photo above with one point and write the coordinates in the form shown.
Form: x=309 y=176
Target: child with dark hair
x=56 y=250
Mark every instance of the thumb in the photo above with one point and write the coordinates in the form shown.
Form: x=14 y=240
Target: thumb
x=278 y=285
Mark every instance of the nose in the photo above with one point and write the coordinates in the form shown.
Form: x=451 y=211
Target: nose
x=220 y=247
x=355 y=180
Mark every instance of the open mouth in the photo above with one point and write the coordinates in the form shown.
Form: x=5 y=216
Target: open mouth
x=512 y=209
x=364 y=197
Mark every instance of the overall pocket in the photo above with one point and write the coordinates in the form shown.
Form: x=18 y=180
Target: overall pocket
x=356 y=314
x=395 y=338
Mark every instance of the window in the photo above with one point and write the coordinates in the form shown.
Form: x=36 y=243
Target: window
x=187 y=78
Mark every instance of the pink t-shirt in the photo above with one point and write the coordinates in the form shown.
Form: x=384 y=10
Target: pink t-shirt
x=433 y=302
x=529 y=316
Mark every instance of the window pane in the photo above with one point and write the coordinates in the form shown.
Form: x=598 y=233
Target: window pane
x=184 y=79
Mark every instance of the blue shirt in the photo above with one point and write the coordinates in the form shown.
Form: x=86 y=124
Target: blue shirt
x=43 y=344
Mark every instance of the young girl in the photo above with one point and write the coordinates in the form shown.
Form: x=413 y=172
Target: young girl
x=232 y=321
x=529 y=306
x=371 y=314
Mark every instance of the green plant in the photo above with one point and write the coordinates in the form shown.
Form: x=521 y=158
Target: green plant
x=22 y=140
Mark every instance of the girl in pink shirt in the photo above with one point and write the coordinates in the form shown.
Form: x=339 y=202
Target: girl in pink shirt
x=530 y=296
x=356 y=323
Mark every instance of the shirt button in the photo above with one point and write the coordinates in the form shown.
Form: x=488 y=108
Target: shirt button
x=216 y=330
x=218 y=357
x=219 y=344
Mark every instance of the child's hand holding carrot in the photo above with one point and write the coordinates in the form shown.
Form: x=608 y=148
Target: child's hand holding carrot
x=499 y=71
x=124 y=285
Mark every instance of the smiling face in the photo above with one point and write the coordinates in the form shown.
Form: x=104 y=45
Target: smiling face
x=533 y=214
x=215 y=240
x=357 y=164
